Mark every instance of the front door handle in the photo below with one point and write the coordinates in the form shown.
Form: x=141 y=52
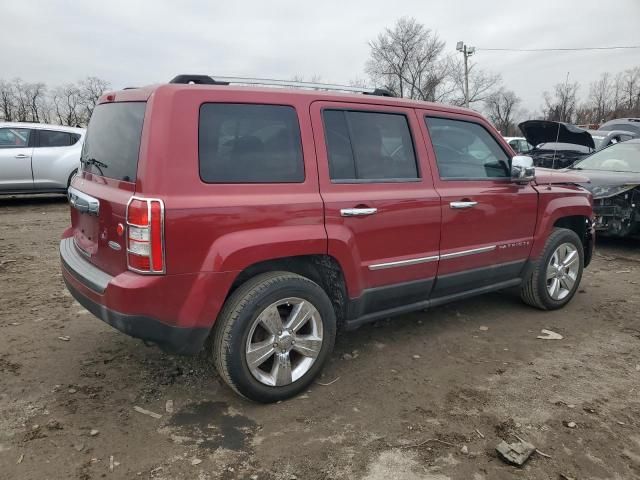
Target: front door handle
x=465 y=204
x=357 y=212
x=22 y=155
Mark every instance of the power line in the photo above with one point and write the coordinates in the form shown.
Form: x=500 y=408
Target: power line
x=620 y=47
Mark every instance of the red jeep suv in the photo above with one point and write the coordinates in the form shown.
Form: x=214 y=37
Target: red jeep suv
x=259 y=221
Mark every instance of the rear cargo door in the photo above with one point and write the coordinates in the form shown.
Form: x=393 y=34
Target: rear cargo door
x=101 y=192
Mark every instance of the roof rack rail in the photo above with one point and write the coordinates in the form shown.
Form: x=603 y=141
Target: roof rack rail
x=207 y=80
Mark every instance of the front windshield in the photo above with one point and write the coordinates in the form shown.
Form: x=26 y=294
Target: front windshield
x=621 y=157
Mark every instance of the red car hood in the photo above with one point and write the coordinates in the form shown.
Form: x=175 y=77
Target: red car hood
x=545 y=176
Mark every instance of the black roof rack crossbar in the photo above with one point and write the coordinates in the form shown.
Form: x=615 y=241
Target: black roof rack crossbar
x=207 y=80
x=197 y=79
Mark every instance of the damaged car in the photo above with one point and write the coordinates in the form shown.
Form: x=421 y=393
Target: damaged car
x=606 y=138
x=556 y=144
x=614 y=175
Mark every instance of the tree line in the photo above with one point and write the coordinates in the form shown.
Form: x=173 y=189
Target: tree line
x=70 y=104
x=409 y=60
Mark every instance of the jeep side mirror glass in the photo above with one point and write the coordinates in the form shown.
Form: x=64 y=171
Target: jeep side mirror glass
x=522 y=169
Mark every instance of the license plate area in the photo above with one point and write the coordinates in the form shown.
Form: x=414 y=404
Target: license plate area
x=85 y=235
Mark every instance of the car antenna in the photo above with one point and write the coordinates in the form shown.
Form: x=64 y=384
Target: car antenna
x=555 y=145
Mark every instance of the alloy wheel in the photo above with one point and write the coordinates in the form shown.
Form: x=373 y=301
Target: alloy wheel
x=284 y=341
x=562 y=271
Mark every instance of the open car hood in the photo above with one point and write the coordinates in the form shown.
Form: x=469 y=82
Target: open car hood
x=546 y=176
x=546 y=131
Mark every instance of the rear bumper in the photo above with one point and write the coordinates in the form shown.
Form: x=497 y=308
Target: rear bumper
x=174 y=311
x=185 y=341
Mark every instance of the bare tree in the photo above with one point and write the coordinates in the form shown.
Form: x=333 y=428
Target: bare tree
x=482 y=84
x=31 y=103
x=631 y=90
x=600 y=97
x=406 y=59
x=90 y=90
x=561 y=106
x=501 y=109
x=68 y=105
x=7 y=101
x=617 y=95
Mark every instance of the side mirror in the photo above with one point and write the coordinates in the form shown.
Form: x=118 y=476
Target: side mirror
x=522 y=169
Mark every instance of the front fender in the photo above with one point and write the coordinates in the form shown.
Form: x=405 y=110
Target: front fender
x=558 y=202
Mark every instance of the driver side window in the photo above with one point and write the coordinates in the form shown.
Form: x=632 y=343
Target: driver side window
x=466 y=150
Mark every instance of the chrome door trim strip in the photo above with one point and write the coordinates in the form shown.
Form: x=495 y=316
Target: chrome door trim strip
x=404 y=263
x=433 y=258
x=464 y=253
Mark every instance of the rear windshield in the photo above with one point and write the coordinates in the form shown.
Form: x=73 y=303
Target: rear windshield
x=112 y=143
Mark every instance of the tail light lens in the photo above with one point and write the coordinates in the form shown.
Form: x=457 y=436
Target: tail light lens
x=145 y=235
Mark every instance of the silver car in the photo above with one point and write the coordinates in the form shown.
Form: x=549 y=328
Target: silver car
x=38 y=158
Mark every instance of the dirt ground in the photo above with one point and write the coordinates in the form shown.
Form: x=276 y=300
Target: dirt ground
x=399 y=399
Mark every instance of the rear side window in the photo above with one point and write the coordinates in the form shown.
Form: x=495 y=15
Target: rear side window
x=245 y=143
x=51 y=138
x=112 y=142
x=466 y=150
x=369 y=146
x=14 y=137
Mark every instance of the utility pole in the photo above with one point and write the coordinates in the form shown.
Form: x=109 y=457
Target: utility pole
x=466 y=52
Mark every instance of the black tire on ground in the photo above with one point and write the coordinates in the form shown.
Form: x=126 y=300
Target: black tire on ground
x=234 y=323
x=534 y=287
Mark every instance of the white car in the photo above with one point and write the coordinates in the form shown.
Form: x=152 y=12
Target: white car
x=38 y=158
x=519 y=144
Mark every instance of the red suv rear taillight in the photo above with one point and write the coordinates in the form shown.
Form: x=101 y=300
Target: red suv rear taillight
x=145 y=235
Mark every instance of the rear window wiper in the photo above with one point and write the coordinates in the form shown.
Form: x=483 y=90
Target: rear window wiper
x=93 y=161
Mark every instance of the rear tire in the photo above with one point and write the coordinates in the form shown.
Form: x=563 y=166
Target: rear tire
x=73 y=174
x=556 y=275
x=273 y=336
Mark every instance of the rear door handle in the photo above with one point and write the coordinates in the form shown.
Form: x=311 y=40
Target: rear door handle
x=22 y=155
x=357 y=212
x=465 y=204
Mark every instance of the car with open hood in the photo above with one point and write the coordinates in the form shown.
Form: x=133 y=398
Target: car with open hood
x=625 y=124
x=614 y=175
x=606 y=138
x=556 y=144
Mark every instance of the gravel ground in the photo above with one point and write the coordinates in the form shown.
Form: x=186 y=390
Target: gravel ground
x=423 y=396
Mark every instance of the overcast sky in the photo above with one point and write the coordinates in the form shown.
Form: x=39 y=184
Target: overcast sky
x=135 y=42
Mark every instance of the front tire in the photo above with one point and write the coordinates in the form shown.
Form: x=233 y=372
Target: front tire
x=273 y=336
x=556 y=275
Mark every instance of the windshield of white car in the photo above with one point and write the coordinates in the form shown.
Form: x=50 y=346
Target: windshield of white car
x=621 y=157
